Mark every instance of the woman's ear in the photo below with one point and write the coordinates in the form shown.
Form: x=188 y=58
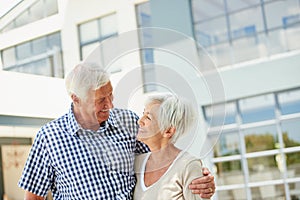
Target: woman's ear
x=169 y=132
x=75 y=99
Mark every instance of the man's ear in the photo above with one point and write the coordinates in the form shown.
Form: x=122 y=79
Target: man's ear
x=75 y=99
x=169 y=132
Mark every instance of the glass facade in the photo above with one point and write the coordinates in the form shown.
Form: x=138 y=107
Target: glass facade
x=257 y=156
x=41 y=56
x=91 y=33
x=36 y=11
x=143 y=13
x=225 y=30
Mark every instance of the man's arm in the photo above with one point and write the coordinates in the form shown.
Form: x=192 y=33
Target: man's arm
x=31 y=196
x=205 y=185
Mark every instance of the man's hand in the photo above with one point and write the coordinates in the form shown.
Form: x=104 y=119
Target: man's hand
x=205 y=185
x=31 y=196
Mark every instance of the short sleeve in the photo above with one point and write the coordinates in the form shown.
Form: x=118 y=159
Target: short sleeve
x=192 y=171
x=37 y=175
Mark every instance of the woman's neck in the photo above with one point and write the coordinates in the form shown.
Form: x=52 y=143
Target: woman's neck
x=164 y=155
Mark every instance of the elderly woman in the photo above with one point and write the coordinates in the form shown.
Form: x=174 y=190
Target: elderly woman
x=165 y=119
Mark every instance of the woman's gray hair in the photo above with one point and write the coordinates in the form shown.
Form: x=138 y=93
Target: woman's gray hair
x=174 y=112
x=84 y=77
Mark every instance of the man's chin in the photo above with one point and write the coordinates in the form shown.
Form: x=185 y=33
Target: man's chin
x=103 y=118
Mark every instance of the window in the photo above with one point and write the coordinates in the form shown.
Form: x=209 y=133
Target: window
x=291 y=132
x=220 y=114
x=36 y=11
x=282 y=14
x=227 y=144
x=257 y=108
x=260 y=138
x=255 y=145
x=147 y=54
x=289 y=102
x=91 y=33
x=230 y=36
x=41 y=56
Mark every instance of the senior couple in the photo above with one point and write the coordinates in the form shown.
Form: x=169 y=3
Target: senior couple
x=96 y=151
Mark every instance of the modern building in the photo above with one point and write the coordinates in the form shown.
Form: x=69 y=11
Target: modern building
x=239 y=61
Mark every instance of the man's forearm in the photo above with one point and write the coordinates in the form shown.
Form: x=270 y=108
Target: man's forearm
x=31 y=196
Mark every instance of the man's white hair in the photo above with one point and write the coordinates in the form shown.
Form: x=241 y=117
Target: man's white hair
x=85 y=77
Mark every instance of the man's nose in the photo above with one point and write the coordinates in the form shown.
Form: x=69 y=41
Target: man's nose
x=108 y=102
x=140 y=122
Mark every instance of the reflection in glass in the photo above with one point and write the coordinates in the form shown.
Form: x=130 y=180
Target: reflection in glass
x=211 y=32
x=220 y=114
x=108 y=26
x=39 y=46
x=9 y=57
x=289 y=102
x=243 y=26
x=246 y=48
x=295 y=190
x=257 y=108
x=86 y=50
x=145 y=38
x=37 y=11
x=41 y=56
x=291 y=132
x=203 y=9
x=224 y=194
x=276 y=44
x=54 y=41
x=89 y=31
x=228 y=144
x=281 y=14
x=52 y=7
x=239 y=193
x=260 y=138
x=228 y=169
x=23 y=51
x=240 y=5
x=293 y=164
x=95 y=31
x=144 y=14
x=264 y=168
x=274 y=192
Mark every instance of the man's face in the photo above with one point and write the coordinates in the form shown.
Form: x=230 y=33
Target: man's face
x=103 y=102
x=95 y=109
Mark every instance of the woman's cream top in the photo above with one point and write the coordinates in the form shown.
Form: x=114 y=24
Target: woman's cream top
x=173 y=184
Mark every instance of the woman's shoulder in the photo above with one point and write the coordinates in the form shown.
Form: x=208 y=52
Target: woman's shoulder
x=187 y=159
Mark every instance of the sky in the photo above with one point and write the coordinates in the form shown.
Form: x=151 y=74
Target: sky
x=6 y=5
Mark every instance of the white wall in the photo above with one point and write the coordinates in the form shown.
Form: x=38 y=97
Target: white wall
x=32 y=96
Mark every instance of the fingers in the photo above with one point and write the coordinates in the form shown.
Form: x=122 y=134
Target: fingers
x=204 y=193
x=205 y=171
x=204 y=180
x=203 y=188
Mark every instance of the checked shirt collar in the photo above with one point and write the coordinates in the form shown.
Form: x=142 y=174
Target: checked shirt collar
x=74 y=126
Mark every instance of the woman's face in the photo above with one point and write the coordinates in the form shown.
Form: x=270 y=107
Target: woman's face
x=148 y=123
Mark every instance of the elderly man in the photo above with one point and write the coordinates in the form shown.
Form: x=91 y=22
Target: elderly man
x=89 y=152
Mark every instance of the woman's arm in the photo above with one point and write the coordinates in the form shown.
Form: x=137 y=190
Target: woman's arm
x=204 y=185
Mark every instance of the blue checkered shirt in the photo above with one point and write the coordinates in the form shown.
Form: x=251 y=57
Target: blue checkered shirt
x=80 y=164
